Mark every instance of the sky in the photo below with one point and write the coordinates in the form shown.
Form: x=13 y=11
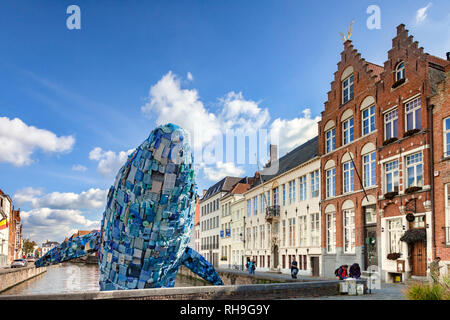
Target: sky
x=75 y=102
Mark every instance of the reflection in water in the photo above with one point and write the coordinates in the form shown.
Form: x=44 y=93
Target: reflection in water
x=71 y=277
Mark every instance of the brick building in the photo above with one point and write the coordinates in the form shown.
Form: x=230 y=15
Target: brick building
x=441 y=171
x=15 y=236
x=376 y=160
x=347 y=145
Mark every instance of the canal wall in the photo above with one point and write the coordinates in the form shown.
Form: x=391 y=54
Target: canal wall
x=228 y=292
x=13 y=276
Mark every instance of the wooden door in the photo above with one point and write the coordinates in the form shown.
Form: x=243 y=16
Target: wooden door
x=315 y=266
x=419 y=259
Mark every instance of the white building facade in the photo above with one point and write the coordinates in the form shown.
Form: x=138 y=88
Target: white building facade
x=5 y=216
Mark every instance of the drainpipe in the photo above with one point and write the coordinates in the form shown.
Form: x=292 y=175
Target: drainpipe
x=433 y=216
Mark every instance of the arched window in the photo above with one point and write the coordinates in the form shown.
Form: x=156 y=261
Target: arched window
x=400 y=71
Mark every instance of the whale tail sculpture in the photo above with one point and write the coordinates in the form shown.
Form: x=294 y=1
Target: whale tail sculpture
x=148 y=219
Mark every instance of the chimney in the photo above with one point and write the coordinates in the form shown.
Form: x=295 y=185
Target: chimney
x=400 y=28
x=273 y=153
x=448 y=56
x=257 y=175
x=204 y=192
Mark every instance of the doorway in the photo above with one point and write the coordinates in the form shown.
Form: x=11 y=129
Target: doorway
x=275 y=256
x=315 y=266
x=370 y=247
x=419 y=259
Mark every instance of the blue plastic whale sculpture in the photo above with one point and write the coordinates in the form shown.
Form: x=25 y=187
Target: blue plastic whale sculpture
x=148 y=219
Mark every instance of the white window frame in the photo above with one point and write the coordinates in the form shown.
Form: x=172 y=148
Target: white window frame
x=394 y=233
x=347 y=89
x=303 y=230
x=314 y=184
x=303 y=188
x=447 y=213
x=391 y=118
x=411 y=107
x=414 y=162
x=330 y=181
x=369 y=118
x=349 y=230
x=331 y=232
x=315 y=229
x=390 y=169
x=348 y=177
x=400 y=69
x=446 y=136
x=369 y=177
x=330 y=140
x=348 y=133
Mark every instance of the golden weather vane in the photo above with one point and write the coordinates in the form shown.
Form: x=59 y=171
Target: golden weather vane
x=349 y=33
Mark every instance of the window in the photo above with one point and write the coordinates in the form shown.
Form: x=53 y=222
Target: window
x=370 y=214
x=261 y=236
x=275 y=196
x=391 y=176
x=447 y=213
x=315 y=229
x=302 y=231
x=400 y=71
x=391 y=124
x=349 y=177
x=331 y=232
x=395 y=231
x=302 y=181
x=369 y=170
x=347 y=89
x=268 y=236
x=347 y=128
x=284 y=194
x=349 y=231
x=283 y=235
x=291 y=232
x=291 y=191
x=255 y=205
x=315 y=184
x=249 y=208
x=255 y=236
x=419 y=222
x=368 y=119
x=331 y=182
x=268 y=198
x=413 y=120
x=249 y=238
x=447 y=137
x=262 y=202
x=330 y=140
x=414 y=169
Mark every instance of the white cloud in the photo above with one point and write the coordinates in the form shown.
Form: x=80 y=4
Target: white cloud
x=421 y=14
x=109 y=162
x=43 y=224
x=19 y=141
x=55 y=215
x=190 y=76
x=35 y=198
x=169 y=103
x=294 y=132
x=221 y=170
x=79 y=167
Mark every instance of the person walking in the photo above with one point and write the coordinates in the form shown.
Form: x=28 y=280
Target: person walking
x=435 y=272
x=253 y=266
x=294 y=269
x=250 y=266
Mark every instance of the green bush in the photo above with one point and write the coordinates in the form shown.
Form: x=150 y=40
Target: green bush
x=429 y=291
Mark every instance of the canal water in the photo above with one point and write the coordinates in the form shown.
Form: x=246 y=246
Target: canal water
x=70 y=277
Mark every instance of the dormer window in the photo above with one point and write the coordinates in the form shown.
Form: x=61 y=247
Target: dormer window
x=400 y=72
x=347 y=89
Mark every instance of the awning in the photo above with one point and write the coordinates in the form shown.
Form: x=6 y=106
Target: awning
x=414 y=235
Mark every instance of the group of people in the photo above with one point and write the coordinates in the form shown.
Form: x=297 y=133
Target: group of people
x=343 y=272
x=251 y=266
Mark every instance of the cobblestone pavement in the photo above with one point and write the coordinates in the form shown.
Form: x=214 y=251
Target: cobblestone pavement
x=388 y=291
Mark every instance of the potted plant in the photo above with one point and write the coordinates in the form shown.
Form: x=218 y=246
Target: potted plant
x=410 y=132
x=390 y=140
x=412 y=189
x=390 y=195
x=393 y=256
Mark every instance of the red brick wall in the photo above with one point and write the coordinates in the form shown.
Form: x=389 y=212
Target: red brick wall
x=441 y=102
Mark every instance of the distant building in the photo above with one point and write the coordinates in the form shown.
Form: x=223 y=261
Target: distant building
x=49 y=245
x=15 y=236
x=5 y=213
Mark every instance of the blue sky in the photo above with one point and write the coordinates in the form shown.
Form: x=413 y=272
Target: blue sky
x=81 y=99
